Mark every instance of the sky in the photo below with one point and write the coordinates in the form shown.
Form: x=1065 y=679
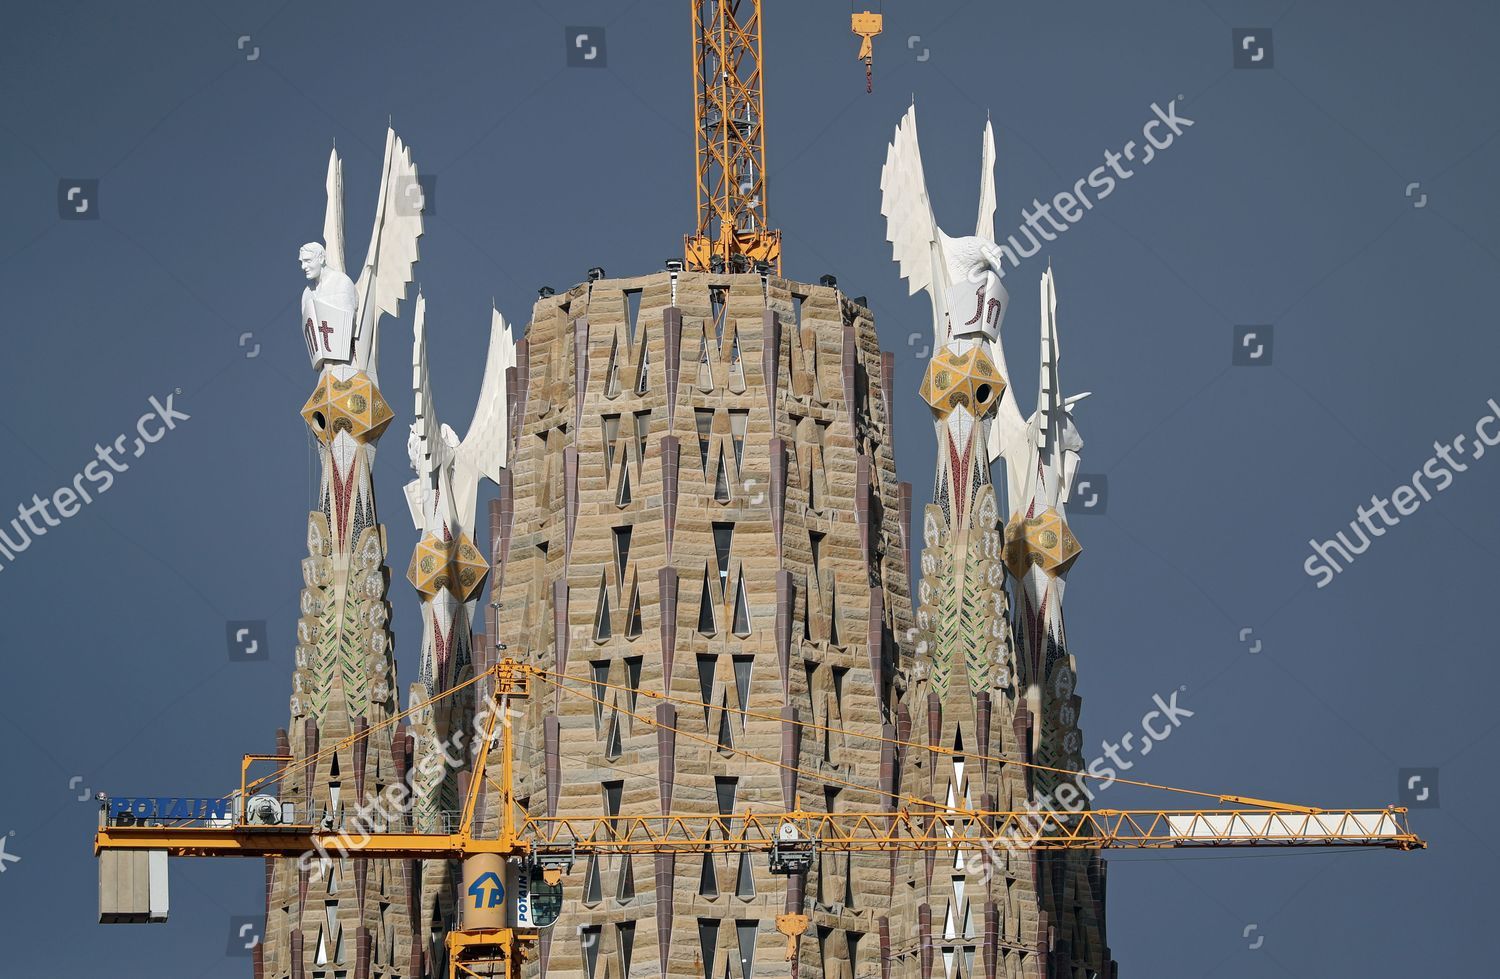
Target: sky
x=1286 y=312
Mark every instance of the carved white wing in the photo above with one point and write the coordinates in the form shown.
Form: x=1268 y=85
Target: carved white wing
x=910 y=226
x=393 y=247
x=487 y=440
x=424 y=426
x=333 y=217
x=985 y=226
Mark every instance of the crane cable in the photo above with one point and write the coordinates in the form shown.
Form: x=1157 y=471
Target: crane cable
x=346 y=742
x=935 y=749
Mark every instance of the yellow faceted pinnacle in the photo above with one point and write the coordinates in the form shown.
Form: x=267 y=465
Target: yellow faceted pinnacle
x=456 y=565
x=354 y=405
x=1044 y=541
x=968 y=380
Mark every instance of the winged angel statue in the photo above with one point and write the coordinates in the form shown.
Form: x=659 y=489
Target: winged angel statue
x=340 y=318
x=963 y=279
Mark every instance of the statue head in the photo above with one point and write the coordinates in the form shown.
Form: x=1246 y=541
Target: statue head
x=313 y=259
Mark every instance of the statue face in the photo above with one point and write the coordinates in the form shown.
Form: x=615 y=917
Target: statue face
x=312 y=261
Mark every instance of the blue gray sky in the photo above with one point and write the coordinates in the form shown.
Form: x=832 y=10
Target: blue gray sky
x=1331 y=198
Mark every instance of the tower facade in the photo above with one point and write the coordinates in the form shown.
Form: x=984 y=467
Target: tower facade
x=702 y=505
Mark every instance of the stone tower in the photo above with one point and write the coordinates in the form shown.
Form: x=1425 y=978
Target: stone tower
x=347 y=916
x=703 y=503
x=994 y=712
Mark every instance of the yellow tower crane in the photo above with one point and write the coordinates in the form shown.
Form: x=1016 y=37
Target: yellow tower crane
x=729 y=126
x=531 y=851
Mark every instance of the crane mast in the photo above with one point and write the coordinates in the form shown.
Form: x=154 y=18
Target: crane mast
x=732 y=233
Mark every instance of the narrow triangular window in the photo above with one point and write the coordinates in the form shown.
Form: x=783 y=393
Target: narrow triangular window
x=633 y=622
x=623 y=497
x=602 y=628
x=633 y=679
x=593 y=891
x=706 y=609
x=706 y=665
x=742 y=665
x=708 y=878
x=643 y=369
x=721 y=482
x=625 y=938
x=705 y=367
x=736 y=367
x=744 y=885
x=612 y=374
x=726 y=736
x=708 y=943
x=704 y=419
x=613 y=745
x=741 y=609
x=747 y=931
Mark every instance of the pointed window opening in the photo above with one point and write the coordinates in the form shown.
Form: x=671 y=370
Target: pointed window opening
x=612 y=375
x=741 y=609
x=739 y=423
x=633 y=312
x=706 y=609
x=736 y=366
x=833 y=617
x=747 y=930
x=612 y=792
x=589 y=937
x=611 y=426
x=643 y=371
x=706 y=664
x=704 y=418
x=593 y=889
x=623 y=497
x=642 y=436
x=742 y=666
x=726 y=735
x=633 y=628
x=723 y=540
x=602 y=626
x=708 y=878
x=622 y=537
x=600 y=672
x=721 y=482
x=716 y=299
x=633 y=676
x=705 y=368
x=614 y=745
x=744 y=885
x=708 y=942
x=725 y=790
x=625 y=940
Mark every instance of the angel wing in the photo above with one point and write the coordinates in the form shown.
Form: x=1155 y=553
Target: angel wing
x=985 y=226
x=393 y=248
x=483 y=451
x=333 y=217
x=911 y=228
x=424 y=426
x=1052 y=430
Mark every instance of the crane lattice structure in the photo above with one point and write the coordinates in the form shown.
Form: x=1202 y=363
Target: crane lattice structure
x=789 y=839
x=732 y=233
